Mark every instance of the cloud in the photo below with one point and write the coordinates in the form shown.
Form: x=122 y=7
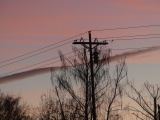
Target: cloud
x=26 y=74
x=134 y=53
x=34 y=72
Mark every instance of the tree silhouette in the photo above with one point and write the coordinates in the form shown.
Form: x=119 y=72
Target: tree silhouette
x=74 y=79
x=52 y=108
x=145 y=100
x=11 y=108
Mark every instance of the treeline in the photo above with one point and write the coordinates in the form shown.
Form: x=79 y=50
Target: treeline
x=72 y=95
x=11 y=108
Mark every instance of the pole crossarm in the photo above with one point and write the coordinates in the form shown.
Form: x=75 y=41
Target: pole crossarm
x=93 y=43
x=96 y=43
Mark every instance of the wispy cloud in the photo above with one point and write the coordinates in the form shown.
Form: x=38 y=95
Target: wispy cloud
x=134 y=53
x=20 y=76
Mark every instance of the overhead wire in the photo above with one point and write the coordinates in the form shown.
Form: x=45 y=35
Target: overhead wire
x=2 y=75
x=71 y=41
x=54 y=62
x=71 y=38
x=134 y=48
x=131 y=27
x=41 y=48
x=68 y=42
x=32 y=65
x=130 y=36
x=156 y=25
x=34 y=55
x=112 y=49
x=133 y=39
x=38 y=64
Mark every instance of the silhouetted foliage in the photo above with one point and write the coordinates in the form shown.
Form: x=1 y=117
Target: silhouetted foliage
x=74 y=80
x=52 y=108
x=114 y=91
x=11 y=108
x=144 y=98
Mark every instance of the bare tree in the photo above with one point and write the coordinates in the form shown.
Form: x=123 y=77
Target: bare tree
x=11 y=108
x=55 y=107
x=146 y=100
x=115 y=91
x=75 y=79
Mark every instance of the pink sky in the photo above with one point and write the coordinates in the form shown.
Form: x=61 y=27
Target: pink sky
x=27 y=25
x=38 y=23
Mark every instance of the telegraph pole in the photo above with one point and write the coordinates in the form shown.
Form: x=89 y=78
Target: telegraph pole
x=155 y=108
x=90 y=47
x=92 y=78
x=158 y=112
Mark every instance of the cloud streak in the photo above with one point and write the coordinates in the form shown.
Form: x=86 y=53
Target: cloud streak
x=26 y=74
x=134 y=53
x=34 y=72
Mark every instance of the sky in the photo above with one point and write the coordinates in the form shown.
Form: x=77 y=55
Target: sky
x=28 y=25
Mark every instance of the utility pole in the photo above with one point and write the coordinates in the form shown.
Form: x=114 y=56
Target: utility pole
x=158 y=112
x=90 y=47
x=155 y=108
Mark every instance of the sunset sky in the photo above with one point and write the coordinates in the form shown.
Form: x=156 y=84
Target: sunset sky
x=28 y=25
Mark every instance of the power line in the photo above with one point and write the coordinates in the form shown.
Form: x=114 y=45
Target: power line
x=133 y=39
x=41 y=48
x=130 y=36
x=134 y=48
x=74 y=37
x=55 y=62
x=32 y=65
x=132 y=27
x=2 y=75
x=38 y=64
x=69 y=42
x=33 y=55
